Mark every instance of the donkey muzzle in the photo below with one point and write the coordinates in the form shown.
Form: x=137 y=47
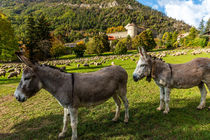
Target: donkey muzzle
x=135 y=77
x=18 y=98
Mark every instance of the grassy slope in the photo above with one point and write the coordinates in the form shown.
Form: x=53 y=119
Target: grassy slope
x=41 y=116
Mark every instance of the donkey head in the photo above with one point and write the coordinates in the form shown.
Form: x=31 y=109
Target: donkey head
x=30 y=83
x=143 y=67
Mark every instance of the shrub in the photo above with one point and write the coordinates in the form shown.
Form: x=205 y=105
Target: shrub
x=57 y=50
x=176 y=44
x=208 y=44
x=79 y=50
x=90 y=46
x=121 y=48
x=199 y=42
x=113 y=44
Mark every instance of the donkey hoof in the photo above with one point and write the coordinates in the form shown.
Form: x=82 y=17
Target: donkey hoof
x=200 y=107
x=126 y=120
x=61 y=135
x=114 y=120
x=159 y=108
x=165 y=112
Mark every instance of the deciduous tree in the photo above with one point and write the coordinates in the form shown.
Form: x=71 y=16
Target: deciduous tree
x=8 y=42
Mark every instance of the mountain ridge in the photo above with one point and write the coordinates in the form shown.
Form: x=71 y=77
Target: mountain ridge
x=86 y=15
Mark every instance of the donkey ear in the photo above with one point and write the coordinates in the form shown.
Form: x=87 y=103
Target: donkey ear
x=143 y=52
x=140 y=51
x=24 y=59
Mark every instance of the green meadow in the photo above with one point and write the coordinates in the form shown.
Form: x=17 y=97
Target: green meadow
x=41 y=117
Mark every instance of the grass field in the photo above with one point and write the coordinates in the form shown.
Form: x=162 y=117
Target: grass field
x=41 y=117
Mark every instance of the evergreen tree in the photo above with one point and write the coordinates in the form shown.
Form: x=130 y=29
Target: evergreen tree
x=38 y=38
x=44 y=39
x=207 y=27
x=201 y=26
x=31 y=36
x=43 y=28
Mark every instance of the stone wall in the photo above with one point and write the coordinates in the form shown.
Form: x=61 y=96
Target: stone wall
x=119 y=34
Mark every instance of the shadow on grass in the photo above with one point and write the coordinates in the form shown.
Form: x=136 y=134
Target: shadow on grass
x=145 y=123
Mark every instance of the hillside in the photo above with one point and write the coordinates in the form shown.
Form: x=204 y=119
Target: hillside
x=67 y=17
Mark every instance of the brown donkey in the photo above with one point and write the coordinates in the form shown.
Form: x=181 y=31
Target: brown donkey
x=168 y=76
x=74 y=90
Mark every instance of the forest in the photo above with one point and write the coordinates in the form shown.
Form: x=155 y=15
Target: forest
x=70 y=22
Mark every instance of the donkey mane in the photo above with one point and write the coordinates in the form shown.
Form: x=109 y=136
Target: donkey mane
x=53 y=67
x=149 y=77
x=156 y=58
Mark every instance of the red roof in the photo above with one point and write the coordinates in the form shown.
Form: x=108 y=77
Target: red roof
x=111 y=38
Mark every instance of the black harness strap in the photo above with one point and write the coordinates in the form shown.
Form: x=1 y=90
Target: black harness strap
x=72 y=84
x=171 y=80
x=169 y=65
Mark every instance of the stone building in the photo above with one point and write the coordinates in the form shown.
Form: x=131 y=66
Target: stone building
x=132 y=31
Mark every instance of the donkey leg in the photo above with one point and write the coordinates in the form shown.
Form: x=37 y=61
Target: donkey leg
x=74 y=122
x=203 y=96
x=126 y=104
x=118 y=104
x=65 y=120
x=167 y=99
x=162 y=92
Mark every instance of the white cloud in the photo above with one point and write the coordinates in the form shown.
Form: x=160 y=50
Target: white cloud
x=186 y=10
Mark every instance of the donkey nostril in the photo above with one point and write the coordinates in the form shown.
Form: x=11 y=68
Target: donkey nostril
x=135 y=78
x=17 y=98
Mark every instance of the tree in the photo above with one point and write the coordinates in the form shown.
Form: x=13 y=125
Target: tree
x=98 y=44
x=57 y=49
x=31 y=36
x=193 y=33
x=207 y=27
x=121 y=47
x=38 y=39
x=201 y=27
x=8 y=42
x=43 y=28
x=44 y=38
x=174 y=37
x=79 y=50
x=167 y=40
x=129 y=42
x=145 y=39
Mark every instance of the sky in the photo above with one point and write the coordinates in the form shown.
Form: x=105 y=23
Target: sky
x=190 y=11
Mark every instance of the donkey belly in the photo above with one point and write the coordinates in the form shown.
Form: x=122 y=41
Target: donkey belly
x=186 y=83
x=97 y=94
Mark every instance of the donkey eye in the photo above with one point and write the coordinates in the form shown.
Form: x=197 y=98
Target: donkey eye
x=143 y=65
x=27 y=78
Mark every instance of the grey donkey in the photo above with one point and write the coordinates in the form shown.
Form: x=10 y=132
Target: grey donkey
x=168 y=76
x=74 y=90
